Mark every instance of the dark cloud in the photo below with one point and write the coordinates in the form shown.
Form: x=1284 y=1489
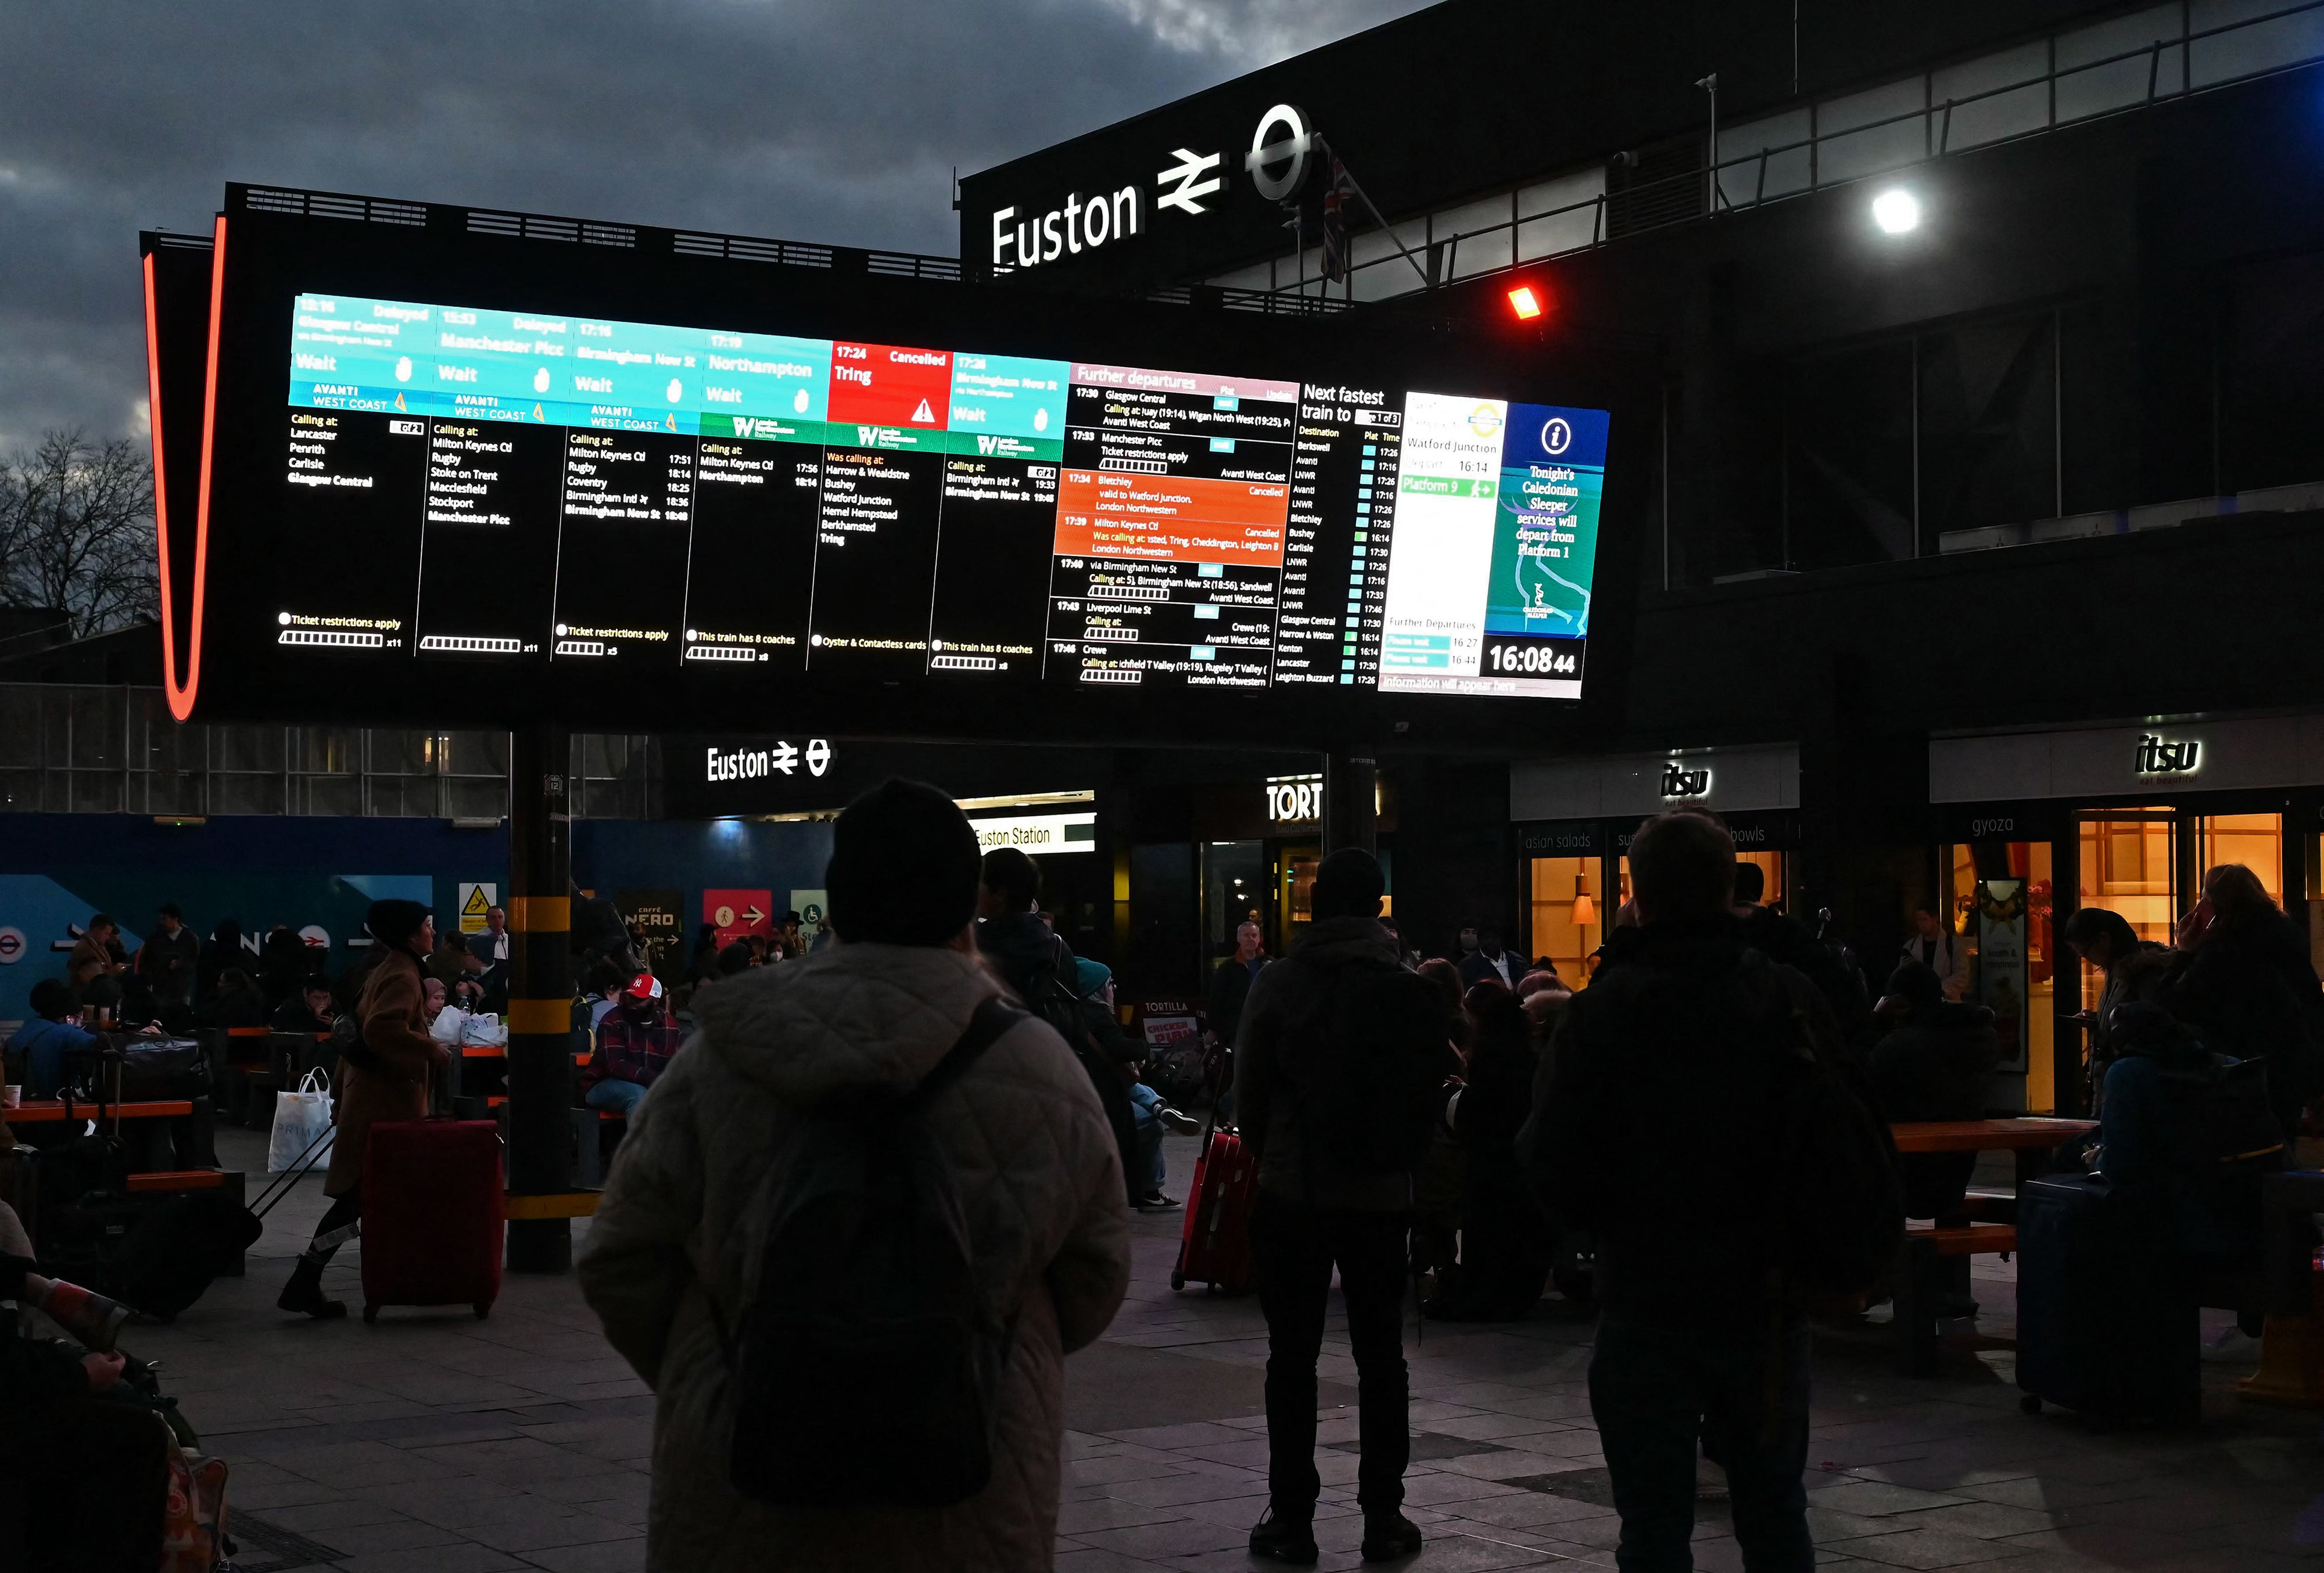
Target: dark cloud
x=808 y=119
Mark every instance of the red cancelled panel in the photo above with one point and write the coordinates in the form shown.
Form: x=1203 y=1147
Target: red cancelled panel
x=889 y=385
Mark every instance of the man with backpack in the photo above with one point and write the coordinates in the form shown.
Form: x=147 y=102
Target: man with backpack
x=1696 y=1119
x=1035 y=961
x=1341 y=1073
x=853 y=1232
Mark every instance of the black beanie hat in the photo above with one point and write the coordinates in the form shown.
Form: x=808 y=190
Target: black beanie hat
x=392 y=923
x=903 y=866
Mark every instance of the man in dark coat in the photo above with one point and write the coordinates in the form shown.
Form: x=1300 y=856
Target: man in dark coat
x=1784 y=939
x=1231 y=980
x=1316 y=1210
x=1650 y=1130
x=1933 y=1063
x=170 y=960
x=1037 y=963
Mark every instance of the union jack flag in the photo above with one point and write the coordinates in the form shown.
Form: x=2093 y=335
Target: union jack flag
x=1335 y=225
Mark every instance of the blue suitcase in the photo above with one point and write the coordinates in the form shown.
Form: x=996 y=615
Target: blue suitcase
x=2107 y=1322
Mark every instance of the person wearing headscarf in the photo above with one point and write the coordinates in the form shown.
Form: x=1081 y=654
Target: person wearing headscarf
x=386 y=1076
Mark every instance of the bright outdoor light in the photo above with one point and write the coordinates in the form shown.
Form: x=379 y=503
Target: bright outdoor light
x=1524 y=302
x=1896 y=210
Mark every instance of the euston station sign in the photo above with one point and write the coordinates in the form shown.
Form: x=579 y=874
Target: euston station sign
x=1277 y=161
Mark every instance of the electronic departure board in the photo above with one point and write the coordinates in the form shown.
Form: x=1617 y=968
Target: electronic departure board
x=522 y=486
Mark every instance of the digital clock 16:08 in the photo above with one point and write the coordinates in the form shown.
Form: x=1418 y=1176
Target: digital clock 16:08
x=1531 y=659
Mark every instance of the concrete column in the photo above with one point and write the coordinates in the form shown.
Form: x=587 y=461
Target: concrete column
x=1351 y=801
x=540 y=992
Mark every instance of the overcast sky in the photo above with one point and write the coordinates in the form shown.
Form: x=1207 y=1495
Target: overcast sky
x=806 y=119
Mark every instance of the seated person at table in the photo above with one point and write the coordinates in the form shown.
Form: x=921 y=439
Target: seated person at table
x=636 y=1043
x=311 y=1010
x=236 y=1003
x=606 y=982
x=1117 y=1057
x=2166 y=1128
x=97 y=1470
x=432 y=998
x=43 y=1043
x=1933 y=1063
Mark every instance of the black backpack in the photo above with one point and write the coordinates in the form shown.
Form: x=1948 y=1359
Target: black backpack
x=2238 y=1140
x=1049 y=997
x=1838 y=1203
x=1371 y=1068
x=866 y=1365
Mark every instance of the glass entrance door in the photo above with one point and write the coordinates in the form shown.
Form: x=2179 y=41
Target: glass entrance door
x=1294 y=885
x=2253 y=840
x=1569 y=915
x=2129 y=860
x=1999 y=899
x=1234 y=893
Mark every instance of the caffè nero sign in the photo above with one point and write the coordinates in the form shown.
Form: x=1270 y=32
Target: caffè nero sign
x=1191 y=183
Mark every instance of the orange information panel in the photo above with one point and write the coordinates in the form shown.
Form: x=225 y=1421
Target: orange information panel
x=1173 y=518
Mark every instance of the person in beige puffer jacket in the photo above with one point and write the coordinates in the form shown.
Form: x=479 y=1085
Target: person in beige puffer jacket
x=1035 y=1161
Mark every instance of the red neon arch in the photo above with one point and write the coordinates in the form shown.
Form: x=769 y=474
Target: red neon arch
x=181 y=696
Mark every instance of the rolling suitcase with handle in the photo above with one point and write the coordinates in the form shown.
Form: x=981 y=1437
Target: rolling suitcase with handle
x=1215 y=1249
x=432 y=1229
x=2105 y=1324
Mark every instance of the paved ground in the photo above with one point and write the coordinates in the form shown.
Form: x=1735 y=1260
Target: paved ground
x=435 y=1443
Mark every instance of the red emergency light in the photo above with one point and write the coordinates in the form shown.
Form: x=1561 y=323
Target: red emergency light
x=1524 y=303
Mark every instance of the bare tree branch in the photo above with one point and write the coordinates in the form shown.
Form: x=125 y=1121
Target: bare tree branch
x=76 y=532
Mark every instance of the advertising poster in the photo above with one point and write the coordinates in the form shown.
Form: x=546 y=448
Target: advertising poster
x=661 y=913
x=2001 y=963
x=1545 y=534
x=811 y=905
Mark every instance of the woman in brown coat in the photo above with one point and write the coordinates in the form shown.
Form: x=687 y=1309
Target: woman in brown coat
x=386 y=1079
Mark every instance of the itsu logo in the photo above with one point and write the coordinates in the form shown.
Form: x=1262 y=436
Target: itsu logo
x=2158 y=757
x=1678 y=781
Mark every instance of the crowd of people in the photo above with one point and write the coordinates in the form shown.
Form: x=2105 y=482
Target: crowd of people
x=889 y=1172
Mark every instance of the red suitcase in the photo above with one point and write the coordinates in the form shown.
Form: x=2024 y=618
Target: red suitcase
x=431 y=1214
x=1216 y=1247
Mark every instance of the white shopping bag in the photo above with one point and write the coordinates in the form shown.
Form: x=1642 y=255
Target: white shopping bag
x=446 y=1028
x=484 y=1030
x=302 y=1121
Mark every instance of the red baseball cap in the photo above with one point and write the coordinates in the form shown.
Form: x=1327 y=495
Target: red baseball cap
x=644 y=986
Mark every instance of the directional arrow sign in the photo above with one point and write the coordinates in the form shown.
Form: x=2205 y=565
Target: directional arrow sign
x=736 y=913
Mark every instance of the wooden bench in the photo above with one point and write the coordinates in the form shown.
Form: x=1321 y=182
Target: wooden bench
x=38 y=1110
x=1918 y=1299
x=1990 y=1228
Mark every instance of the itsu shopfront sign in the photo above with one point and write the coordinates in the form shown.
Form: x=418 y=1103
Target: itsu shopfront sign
x=2127 y=760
